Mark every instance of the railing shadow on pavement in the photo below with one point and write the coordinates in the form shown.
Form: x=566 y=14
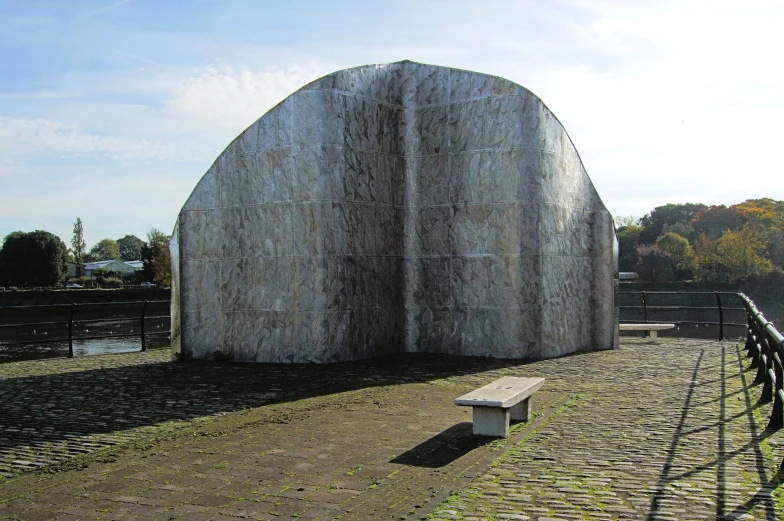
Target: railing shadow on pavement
x=763 y=497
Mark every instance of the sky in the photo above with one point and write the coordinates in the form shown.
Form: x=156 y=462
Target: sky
x=111 y=111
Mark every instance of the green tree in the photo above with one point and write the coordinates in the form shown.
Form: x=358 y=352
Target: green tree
x=161 y=267
x=130 y=247
x=680 y=252
x=653 y=265
x=34 y=259
x=669 y=214
x=156 y=240
x=105 y=249
x=737 y=256
x=682 y=229
x=628 y=240
x=776 y=247
x=78 y=246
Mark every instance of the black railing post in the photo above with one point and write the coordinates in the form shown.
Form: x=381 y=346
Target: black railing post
x=764 y=353
x=749 y=334
x=777 y=414
x=721 y=316
x=645 y=307
x=144 y=314
x=70 y=331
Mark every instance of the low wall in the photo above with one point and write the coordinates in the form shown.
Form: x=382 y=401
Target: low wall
x=78 y=296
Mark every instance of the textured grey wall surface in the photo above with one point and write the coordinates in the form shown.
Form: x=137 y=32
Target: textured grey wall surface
x=400 y=207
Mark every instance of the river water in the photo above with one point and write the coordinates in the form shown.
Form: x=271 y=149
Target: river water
x=16 y=353
x=39 y=338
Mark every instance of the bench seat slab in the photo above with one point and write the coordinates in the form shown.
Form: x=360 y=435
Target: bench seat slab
x=650 y=328
x=504 y=392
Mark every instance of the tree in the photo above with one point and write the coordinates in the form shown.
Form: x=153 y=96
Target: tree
x=715 y=220
x=628 y=240
x=156 y=240
x=34 y=259
x=776 y=247
x=105 y=249
x=767 y=214
x=130 y=247
x=653 y=265
x=669 y=214
x=77 y=241
x=679 y=250
x=625 y=221
x=684 y=230
x=161 y=267
x=737 y=256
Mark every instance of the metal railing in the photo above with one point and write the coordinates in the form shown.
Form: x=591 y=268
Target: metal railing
x=765 y=347
x=71 y=322
x=764 y=344
x=719 y=308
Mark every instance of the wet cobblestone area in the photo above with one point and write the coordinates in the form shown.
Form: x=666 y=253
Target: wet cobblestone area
x=666 y=430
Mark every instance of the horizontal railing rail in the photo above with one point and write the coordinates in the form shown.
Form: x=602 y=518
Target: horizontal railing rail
x=764 y=343
x=719 y=308
x=765 y=347
x=71 y=322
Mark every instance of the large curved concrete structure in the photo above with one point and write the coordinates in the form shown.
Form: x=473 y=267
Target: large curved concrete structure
x=400 y=207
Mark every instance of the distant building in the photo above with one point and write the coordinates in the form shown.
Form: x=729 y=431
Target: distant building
x=73 y=269
x=137 y=265
x=125 y=269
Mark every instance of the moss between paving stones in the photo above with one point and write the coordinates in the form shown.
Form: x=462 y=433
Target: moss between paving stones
x=636 y=384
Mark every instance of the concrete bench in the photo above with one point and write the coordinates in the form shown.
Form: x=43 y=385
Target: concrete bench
x=495 y=403
x=650 y=328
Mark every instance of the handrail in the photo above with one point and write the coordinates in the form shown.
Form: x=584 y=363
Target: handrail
x=765 y=347
x=143 y=318
x=719 y=307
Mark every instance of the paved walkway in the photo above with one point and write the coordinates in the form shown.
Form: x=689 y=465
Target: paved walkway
x=650 y=431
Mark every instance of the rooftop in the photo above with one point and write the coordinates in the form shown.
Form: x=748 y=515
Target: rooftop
x=667 y=430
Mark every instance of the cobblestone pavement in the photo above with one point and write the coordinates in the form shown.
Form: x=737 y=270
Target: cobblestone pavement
x=650 y=431
x=665 y=431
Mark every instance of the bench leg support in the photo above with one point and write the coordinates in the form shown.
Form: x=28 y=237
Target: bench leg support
x=521 y=411
x=491 y=421
x=652 y=334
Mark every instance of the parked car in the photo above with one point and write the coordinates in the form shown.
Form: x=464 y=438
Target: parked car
x=147 y=285
x=72 y=285
x=11 y=288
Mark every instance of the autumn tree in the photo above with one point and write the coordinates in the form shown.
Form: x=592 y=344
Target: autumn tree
x=737 y=256
x=715 y=220
x=161 y=267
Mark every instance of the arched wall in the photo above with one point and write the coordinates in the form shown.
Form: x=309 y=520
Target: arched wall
x=403 y=207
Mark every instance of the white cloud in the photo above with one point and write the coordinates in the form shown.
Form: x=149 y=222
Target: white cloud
x=234 y=97
x=38 y=135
